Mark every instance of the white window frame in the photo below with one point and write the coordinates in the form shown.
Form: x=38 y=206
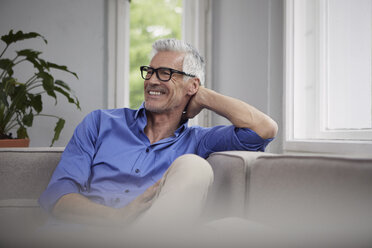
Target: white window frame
x=197 y=30
x=118 y=53
x=326 y=141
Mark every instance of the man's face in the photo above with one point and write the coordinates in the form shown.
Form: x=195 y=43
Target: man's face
x=161 y=97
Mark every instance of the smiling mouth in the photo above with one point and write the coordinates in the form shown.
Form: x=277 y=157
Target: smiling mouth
x=155 y=93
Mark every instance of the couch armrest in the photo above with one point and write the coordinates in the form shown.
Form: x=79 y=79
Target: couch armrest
x=227 y=196
x=25 y=172
x=24 y=175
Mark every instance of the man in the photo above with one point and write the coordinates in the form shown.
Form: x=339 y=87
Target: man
x=123 y=165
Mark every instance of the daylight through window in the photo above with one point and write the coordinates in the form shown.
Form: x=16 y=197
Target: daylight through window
x=149 y=20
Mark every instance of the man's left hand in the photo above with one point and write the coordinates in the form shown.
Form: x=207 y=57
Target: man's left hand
x=194 y=106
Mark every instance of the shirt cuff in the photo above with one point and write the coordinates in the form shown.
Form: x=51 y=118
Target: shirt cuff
x=251 y=140
x=55 y=191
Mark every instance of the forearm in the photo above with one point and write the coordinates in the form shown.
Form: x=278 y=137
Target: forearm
x=77 y=208
x=240 y=114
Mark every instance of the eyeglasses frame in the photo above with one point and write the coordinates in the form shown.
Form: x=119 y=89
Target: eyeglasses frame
x=172 y=71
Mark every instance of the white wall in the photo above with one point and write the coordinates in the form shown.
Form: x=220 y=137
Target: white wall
x=248 y=54
x=76 y=34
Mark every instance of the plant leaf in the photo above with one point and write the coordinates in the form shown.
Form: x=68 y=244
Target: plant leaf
x=67 y=95
x=9 y=85
x=57 y=130
x=62 y=68
x=2 y=124
x=36 y=103
x=3 y=98
x=48 y=83
x=77 y=103
x=22 y=133
x=36 y=64
x=7 y=65
x=62 y=84
x=43 y=63
x=28 y=119
x=29 y=53
x=12 y=38
x=6 y=89
x=19 y=98
x=32 y=56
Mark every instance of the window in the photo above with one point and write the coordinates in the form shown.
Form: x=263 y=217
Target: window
x=195 y=17
x=328 y=75
x=149 y=20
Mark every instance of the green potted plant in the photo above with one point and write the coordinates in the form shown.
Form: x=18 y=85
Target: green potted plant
x=20 y=102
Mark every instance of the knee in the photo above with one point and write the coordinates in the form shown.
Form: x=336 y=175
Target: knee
x=193 y=162
x=194 y=166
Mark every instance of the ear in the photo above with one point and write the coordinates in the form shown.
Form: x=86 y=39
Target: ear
x=193 y=86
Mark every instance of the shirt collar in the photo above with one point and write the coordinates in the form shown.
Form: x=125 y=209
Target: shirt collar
x=180 y=129
x=183 y=127
x=139 y=110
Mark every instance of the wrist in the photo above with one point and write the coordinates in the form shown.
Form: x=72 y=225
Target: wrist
x=204 y=97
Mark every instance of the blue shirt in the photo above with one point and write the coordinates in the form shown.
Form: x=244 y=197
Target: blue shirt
x=110 y=160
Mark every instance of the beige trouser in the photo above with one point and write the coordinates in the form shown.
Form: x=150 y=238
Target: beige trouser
x=181 y=195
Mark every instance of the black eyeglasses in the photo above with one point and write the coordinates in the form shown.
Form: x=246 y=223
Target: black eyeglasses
x=162 y=73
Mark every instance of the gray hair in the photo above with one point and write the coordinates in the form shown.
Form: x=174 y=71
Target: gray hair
x=193 y=63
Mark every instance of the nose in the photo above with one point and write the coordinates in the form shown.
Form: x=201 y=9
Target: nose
x=153 y=79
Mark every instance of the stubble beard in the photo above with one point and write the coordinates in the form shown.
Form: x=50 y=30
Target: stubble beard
x=156 y=109
x=161 y=109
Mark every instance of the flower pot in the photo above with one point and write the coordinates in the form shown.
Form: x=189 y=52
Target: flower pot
x=14 y=142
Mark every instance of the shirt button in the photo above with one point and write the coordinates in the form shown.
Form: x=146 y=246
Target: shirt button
x=147 y=149
x=137 y=170
x=127 y=191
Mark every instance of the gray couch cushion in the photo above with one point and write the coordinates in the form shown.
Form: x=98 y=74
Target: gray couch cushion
x=228 y=193
x=302 y=190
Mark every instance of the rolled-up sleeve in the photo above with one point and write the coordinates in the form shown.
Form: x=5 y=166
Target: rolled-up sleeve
x=228 y=138
x=73 y=171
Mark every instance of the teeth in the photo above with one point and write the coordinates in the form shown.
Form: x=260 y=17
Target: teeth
x=156 y=93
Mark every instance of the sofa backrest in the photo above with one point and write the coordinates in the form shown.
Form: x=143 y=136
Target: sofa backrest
x=24 y=175
x=302 y=190
x=227 y=196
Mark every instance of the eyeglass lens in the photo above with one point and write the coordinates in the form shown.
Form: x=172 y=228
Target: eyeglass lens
x=163 y=74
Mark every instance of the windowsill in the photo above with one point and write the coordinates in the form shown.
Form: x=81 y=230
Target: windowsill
x=329 y=147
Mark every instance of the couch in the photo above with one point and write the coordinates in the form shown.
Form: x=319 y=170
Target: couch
x=318 y=196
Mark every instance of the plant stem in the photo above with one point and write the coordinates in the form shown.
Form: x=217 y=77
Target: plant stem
x=18 y=61
x=47 y=115
x=31 y=80
x=3 y=73
x=10 y=128
x=34 y=86
x=39 y=93
x=4 y=50
x=10 y=125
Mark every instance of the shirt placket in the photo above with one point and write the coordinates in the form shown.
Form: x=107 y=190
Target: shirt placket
x=140 y=166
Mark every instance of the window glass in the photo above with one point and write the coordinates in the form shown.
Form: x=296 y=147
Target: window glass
x=350 y=64
x=331 y=64
x=149 y=20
